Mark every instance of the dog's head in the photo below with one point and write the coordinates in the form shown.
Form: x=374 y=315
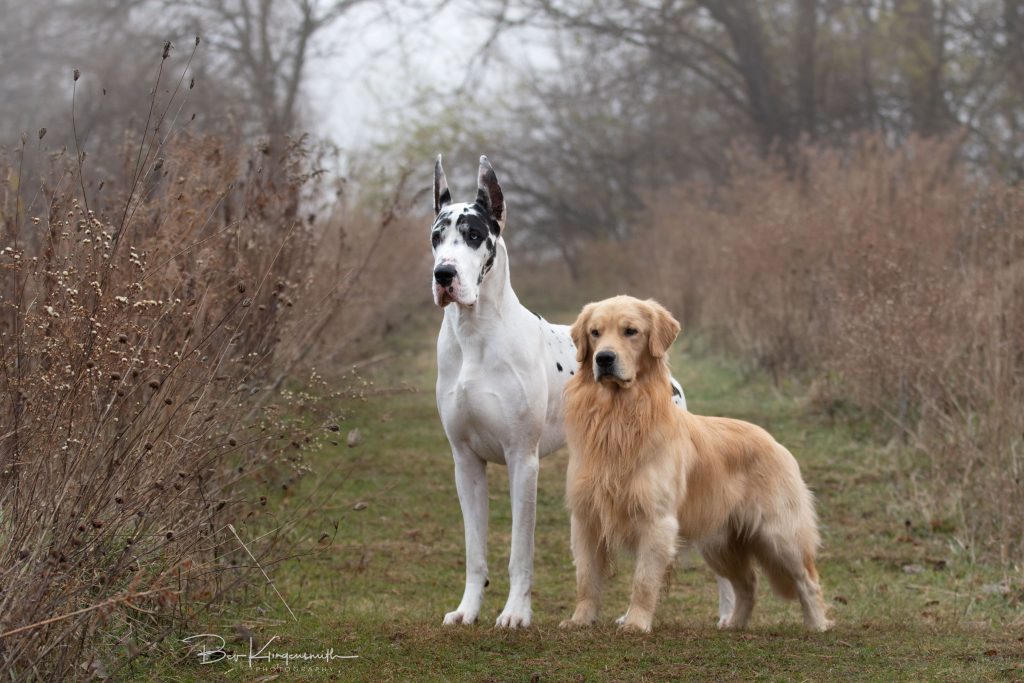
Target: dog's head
x=621 y=338
x=465 y=237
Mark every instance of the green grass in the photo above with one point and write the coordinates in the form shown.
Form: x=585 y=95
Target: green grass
x=395 y=566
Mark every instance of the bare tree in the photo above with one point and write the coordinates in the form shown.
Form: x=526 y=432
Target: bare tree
x=266 y=46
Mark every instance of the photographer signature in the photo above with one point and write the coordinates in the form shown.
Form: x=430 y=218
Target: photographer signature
x=218 y=653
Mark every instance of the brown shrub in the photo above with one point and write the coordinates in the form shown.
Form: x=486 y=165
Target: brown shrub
x=144 y=339
x=897 y=280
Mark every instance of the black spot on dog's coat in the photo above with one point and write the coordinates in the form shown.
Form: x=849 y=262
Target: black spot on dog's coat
x=559 y=366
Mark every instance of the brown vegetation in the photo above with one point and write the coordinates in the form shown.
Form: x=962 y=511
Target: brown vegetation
x=894 y=278
x=151 y=330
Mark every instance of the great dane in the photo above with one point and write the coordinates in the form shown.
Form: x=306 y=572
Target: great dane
x=501 y=372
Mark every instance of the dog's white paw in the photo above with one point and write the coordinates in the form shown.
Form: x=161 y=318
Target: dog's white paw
x=621 y=620
x=459 y=616
x=515 y=615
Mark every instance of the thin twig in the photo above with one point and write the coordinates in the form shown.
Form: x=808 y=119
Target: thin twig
x=265 y=575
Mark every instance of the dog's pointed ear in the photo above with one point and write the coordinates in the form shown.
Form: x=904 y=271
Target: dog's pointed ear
x=489 y=195
x=581 y=334
x=442 y=197
x=664 y=329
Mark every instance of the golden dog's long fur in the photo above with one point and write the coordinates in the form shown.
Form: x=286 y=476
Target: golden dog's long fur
x=642 y=474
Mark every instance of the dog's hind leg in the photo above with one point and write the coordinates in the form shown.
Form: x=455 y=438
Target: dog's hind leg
x=471 y=483
x=726 y=600
x=731 y=560
x=789 y=564
x=522 y=474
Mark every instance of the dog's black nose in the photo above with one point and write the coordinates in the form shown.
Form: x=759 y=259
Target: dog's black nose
x=444 y=274
x=605 y=359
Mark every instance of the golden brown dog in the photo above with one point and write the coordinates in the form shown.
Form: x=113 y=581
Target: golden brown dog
x=643 y=474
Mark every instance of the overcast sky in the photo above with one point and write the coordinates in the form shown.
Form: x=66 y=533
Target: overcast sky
x=367 y=66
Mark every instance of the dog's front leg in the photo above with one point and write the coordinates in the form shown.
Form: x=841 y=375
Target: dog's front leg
x=471 y=483
x=591 y=557
x=522 y=474
x=655 y=551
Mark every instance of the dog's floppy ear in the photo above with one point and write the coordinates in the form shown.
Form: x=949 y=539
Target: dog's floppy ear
x=442 y=197
x=664 y=329
x=488 y=194
x=581 y=334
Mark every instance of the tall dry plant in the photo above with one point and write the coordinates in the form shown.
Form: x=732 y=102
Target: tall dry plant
x=147 y=321
x=893 y=277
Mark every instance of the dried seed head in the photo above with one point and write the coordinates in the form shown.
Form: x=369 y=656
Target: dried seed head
x=167 y=50
x=197 y=41
x=241 y=287
x=42 y=132
x=76 y=73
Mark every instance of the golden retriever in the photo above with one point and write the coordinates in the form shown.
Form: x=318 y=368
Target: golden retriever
x=644 y=474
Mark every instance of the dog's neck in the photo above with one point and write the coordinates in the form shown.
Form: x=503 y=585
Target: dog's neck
x=494 y=301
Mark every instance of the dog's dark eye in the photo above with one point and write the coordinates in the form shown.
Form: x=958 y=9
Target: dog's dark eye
x=473 y=236
x=631 y=332
x=594 y=333
x=435 y=238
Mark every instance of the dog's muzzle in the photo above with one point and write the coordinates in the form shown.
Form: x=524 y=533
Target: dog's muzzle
x=449 y=287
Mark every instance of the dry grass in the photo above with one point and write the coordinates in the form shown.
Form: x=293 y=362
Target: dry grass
x=895 y=280
x=149 y=335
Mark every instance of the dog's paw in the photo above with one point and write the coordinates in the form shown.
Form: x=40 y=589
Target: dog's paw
x=621 y=620
x=634 y=627
x=826 y=625
x=513 y=620
x=515 y=615
x=570 y=624
x=459 y=616
x=729 y=624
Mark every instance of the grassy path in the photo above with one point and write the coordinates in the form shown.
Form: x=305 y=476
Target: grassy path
x=907 y=607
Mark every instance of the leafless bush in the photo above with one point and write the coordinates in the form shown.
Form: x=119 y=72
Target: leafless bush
x=145 y=330
x=895 y=279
